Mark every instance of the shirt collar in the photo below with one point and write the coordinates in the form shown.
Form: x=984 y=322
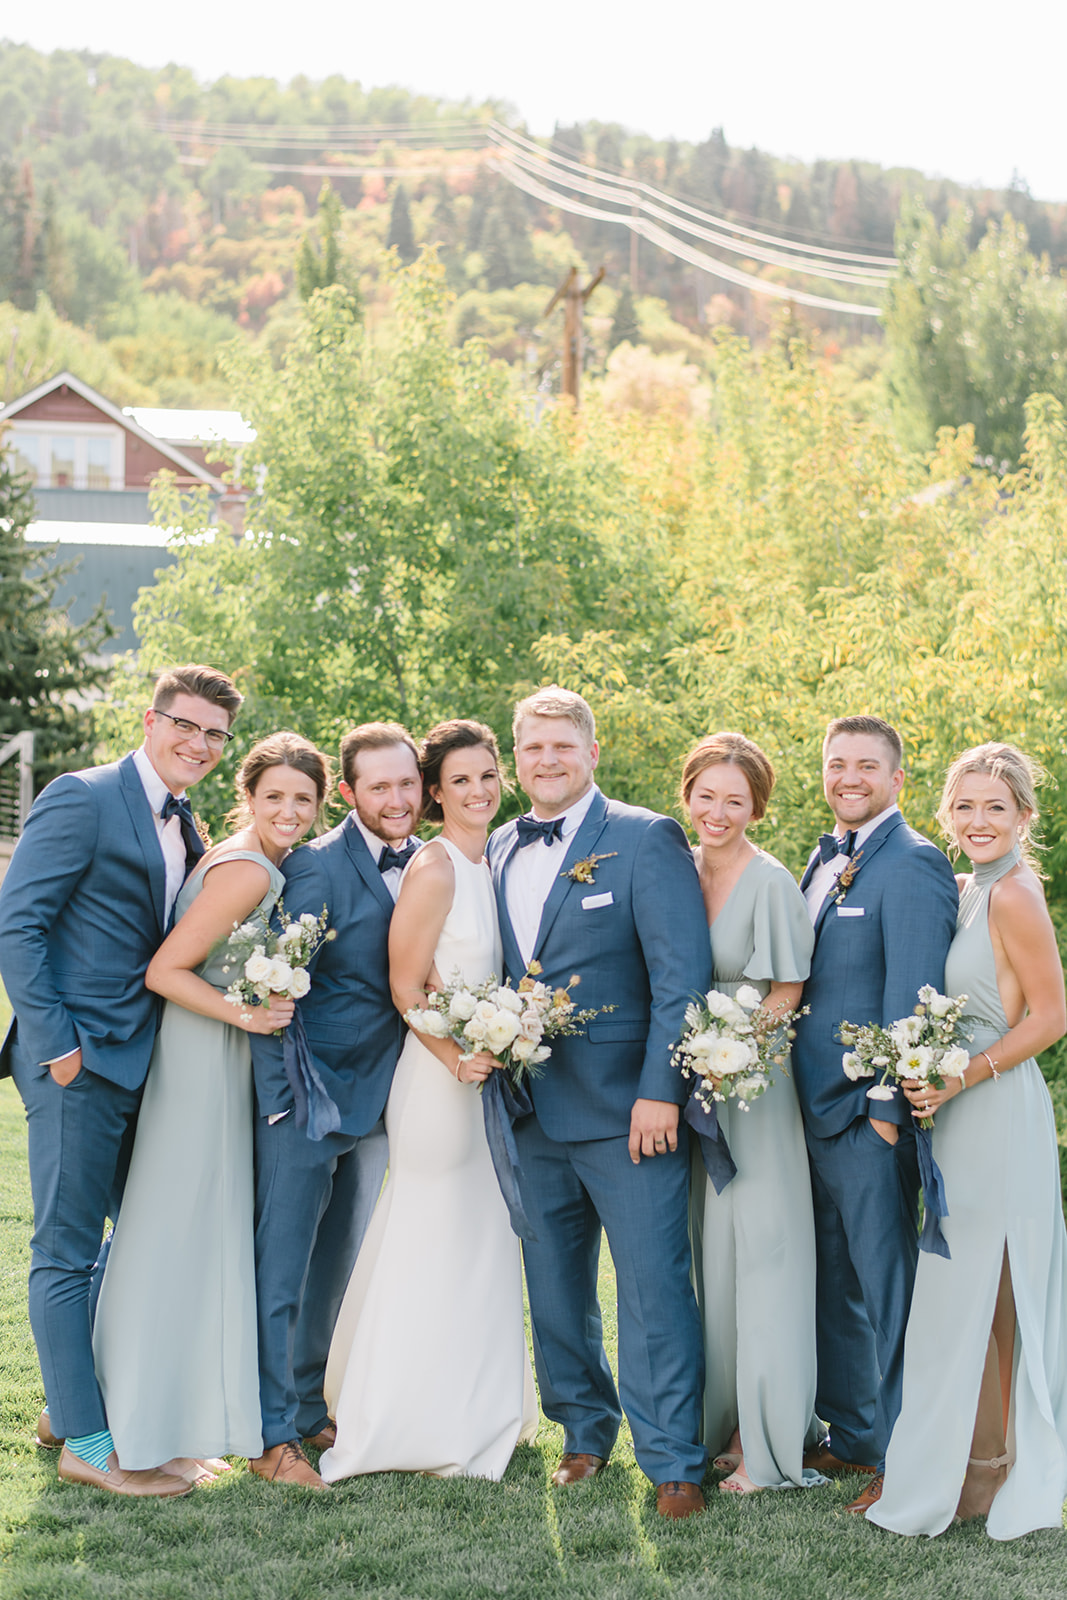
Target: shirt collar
x=864 y=833
x=374 y=843
x=576 y=814
x=152 y=783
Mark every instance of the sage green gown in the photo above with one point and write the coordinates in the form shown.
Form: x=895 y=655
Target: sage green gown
x=175 y=1338
x=754 y=1245
x=996 y=1147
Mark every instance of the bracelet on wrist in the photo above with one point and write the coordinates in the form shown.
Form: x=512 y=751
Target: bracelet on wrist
x=992 y=1066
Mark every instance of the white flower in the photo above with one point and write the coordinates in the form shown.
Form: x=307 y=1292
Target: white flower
x=751 y=1087
x=748 y=997
x=854 y=1066
x=954 y=1062
x=257 y=967
x=541 y=1053
x=729 y=1056
x=727 y=1010
x=881 y=1091
x=431 y=1022
x=484 y=1011
x=294 y=934
x=523 y=1049
x=906 y=1031
x=502 y=1031
x=692 y=1015
x=247 y=930
x=508 y=1000
x=532 y=1024
x=300 y=984
x=462 y=1005
x=927 y=993
x=476 y=1029
x=701 y=1045
x=280 y=976
x=918 y=1062
x=308 y=920
x=941 y=1005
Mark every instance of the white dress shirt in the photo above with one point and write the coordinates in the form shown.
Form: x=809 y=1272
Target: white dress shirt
x=169 y=833
x=826 y=874
x=533 y=870
x=391 y=877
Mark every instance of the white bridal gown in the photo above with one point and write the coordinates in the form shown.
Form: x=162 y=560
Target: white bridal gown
x=428 y=1370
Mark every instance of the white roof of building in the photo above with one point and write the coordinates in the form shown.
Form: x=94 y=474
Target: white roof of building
x=192 y=427
x=130 y=533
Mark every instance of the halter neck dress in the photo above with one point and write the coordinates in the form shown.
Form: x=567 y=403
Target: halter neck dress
x=996 y=1146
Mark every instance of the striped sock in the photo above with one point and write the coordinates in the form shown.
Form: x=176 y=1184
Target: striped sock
x=93 y=1448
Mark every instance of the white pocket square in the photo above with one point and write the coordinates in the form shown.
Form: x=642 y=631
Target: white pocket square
x=591 y=901
x=850 y=911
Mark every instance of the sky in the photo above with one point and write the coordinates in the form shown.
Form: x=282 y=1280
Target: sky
x=954 y=90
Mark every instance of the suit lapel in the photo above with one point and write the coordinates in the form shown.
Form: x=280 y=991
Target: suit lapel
x=360 y=858
x=582 y=844
x=869 y=849
x=144 y=827
x=813 y=862
x=499 y=858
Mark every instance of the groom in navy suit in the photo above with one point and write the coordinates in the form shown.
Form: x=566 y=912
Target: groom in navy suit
x=883 y=902
x=86 y=902
x=610 y=892
x=314 y=1197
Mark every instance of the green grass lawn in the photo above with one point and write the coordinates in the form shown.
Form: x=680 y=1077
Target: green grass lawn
x=413 y=1538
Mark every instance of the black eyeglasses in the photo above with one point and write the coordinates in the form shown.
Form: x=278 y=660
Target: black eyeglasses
x=217 y=738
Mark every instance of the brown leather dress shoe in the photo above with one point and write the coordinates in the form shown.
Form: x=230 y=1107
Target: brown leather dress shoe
x=45 y=1437
x=287 y=1463
x=325 y=1439
x=823 y=1460
x=677 y=1500
x=870 y=1496
x=118 y=1481
x=574 y=1466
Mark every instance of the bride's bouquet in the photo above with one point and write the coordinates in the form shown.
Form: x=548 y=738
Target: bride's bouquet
x=927 y=1045
x=512 y=1024
x=731 y=1046
x=273 y=963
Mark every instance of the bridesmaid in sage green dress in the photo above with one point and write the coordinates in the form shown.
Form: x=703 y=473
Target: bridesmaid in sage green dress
x=175 y=1336
x=754 y=1245
x=983 y=1425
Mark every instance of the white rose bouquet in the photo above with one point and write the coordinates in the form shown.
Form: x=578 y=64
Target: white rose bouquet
x=273 y=963
x=928 y=1045
x=732 y=1046
x=512 y=1024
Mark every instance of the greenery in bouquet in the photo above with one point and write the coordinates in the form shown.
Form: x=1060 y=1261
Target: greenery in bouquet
x=270 y=961
x=929 y=1045
x=733 y=1044
x=512 y=1024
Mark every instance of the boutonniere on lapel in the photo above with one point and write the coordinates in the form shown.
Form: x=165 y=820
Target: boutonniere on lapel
x=584 y=871
x=847 y=878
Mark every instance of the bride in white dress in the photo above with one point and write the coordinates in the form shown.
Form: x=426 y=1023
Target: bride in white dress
x=428 y=1370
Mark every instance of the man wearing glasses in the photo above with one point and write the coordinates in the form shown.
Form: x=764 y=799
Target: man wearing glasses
x=86 y=901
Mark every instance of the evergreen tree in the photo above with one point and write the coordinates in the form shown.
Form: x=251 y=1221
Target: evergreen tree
x=624 y=323
x=319 y=266
x=44 y=659
x=401 y=237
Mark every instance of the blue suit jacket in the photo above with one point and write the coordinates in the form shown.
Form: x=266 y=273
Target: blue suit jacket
x=869 y=965
x=353 y=1028
x=82 y=912
x=647 y=953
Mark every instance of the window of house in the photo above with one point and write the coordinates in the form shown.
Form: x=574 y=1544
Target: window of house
x=69 y=456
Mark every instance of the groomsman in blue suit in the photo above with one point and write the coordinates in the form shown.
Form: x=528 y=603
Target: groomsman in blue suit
x=314 y=1198
x=883 y=901
x=608 y=891
x=86 y=902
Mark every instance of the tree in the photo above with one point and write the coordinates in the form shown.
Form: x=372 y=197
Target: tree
x=401 y=236
x=44 y=660
x=322 y=264
x=624 y=324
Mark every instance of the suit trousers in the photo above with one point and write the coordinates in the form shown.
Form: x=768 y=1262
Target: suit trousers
x=866 y=1199
x=570 y=1192
x=80 y=1140
x=314 y=1202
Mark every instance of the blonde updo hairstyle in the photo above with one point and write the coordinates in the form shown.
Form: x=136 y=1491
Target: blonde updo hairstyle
x=1015 y=769
x=730 y=749
x=284 y=749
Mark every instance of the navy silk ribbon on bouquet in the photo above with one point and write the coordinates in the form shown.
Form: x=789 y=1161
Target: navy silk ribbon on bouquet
x=932 y=1240
x=503 y=1103
x=718 y=1162
x=313 y=1105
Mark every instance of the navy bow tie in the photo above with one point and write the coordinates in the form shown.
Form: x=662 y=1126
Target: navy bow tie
x=194 y=845
x=531 y=828
x=831 y=845
x=396 y=858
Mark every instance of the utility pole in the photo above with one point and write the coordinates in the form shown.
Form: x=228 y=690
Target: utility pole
x=574 y=298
